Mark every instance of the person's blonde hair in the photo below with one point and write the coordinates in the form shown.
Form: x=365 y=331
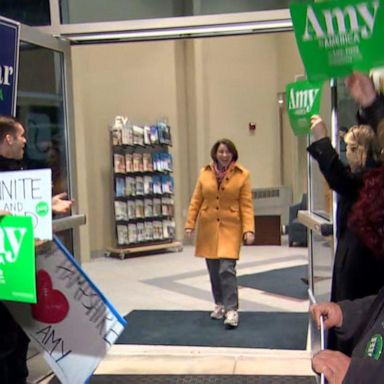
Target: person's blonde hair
x=365 y=138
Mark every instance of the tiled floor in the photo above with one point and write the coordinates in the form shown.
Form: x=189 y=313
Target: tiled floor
x=179 y=281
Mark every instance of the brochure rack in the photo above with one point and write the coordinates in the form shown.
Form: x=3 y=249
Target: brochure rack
x=143 y=189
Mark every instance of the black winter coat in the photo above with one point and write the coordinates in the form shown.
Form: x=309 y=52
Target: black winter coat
x=363 y=325
x=356 y=272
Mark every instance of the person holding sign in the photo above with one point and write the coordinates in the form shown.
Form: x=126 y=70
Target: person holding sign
x=364 y=218
x=13 y=341
x=356 y=272
x=360 y=321
x=222 y=206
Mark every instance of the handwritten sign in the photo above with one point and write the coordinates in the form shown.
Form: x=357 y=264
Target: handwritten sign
x=29 y=193
x=73 y=324
x=17 y=259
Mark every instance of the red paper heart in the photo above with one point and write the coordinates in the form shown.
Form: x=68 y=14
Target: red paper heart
x=52 y=306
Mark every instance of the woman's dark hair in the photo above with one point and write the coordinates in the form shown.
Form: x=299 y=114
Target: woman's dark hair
x=229 y=144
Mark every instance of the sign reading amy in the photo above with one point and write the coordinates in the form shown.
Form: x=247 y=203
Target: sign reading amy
x=28 y=193
x=9 y=57
x=17 y=259
x=336 y=37
x=73 y=324
x=303 y=101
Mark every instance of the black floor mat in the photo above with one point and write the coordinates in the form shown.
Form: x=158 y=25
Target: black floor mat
x=197 y=379
x=284 y=281
x=271 y=330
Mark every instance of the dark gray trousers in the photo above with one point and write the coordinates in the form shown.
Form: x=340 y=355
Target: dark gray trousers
x=222 y=273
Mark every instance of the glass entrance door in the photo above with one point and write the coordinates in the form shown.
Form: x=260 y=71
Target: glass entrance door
x=44 y=108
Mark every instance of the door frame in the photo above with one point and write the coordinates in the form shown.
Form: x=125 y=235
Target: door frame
x=39 y=38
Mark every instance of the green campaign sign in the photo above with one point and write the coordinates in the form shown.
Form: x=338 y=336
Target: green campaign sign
x=303 y=101
x=17 y=259
x=337 y=37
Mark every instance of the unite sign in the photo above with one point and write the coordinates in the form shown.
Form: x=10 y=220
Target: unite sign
x=340 y=26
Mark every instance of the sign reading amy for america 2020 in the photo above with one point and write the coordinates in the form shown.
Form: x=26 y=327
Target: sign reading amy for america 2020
x=337 y=37
x=9 y=58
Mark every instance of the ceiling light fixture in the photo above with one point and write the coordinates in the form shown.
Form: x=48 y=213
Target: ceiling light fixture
x=198 y=31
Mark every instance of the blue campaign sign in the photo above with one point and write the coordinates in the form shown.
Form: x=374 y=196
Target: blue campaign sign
x=9 y=59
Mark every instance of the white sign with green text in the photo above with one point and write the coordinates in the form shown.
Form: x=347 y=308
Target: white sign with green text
x=29 y=193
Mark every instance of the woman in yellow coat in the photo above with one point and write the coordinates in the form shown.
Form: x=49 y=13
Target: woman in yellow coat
x=221 y=206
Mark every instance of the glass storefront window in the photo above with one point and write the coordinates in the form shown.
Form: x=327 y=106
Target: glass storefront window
x=40 y=108
x=30 y=12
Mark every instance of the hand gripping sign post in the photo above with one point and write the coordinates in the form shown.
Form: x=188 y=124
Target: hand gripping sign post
x=317 y=336
x=336 y=38
x=73 y=323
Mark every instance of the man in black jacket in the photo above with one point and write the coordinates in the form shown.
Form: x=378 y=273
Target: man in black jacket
x=13 y=341
x=360 y=320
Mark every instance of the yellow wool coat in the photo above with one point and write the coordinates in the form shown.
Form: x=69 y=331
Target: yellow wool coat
x=222 y=214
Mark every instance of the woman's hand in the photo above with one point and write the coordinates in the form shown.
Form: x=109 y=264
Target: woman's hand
x=361 y=88
x=188 y=232
x=249 y=238
x=318 y=128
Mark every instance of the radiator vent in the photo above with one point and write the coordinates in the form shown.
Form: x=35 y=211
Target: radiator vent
x=264 y=194
x=272 y=201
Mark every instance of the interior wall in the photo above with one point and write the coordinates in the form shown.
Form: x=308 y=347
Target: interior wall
x=137 y=80
x=240 y=85
x=206 y=88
